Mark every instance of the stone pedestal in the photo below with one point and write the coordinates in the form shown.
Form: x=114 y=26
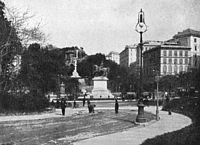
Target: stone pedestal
x=100 y=88
x=140 y=117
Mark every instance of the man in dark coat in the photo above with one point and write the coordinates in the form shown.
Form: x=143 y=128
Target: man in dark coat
x=91 y=108
x=74 y=104
x=168 y=105
x=63 y=105
x=116 y=106
x=84 y=99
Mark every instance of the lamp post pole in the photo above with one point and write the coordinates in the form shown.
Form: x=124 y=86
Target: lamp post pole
x=157 y=110
x=141 y=28
x=141 y=73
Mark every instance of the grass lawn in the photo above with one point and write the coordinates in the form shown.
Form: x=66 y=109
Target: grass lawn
x=65 y=130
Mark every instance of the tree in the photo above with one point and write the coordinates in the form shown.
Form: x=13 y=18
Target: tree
x=15 y=35
x=27 y=32
x=168 y=83
x=10 y=46
x=118 y=76
x=41 y=68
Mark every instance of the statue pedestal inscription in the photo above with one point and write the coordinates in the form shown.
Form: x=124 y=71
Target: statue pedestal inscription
x=100 y=88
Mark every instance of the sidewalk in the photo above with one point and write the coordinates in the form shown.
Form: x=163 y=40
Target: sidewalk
x=136 y=135
x=132 y=136
x=57 y=113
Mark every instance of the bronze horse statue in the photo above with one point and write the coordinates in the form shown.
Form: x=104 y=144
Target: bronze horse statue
x=101 y=71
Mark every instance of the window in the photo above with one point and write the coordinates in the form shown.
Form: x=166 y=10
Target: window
x=164 y=69
x=180 y=61
x=170 y=53
x=164 y=53
x=170 y=69
x=175 y=53
x=175 y=69
x=186 y=61
x=181 y=68
x=185 y=68
x=195 y=48
x=175 y=61
x=170 y=60
x=186 y=53
x=180 y=53
x=164 y=60
x=195 y=39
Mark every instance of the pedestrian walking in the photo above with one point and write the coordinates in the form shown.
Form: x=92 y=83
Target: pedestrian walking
x=63 y=106
x=168 y=106
x=74 y=104
x=116 y=106
x=123 y=99
x=57 y=103
x=88 y=102
x=147 y=101
x=84 y=100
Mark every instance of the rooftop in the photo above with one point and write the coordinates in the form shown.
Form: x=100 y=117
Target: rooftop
x=186 y=33
x=167 y=47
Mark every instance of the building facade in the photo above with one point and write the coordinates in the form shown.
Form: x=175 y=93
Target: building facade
x=190 y=38
x=147 y=45
x=166 y=60
x=114 y=56
x=128 y=55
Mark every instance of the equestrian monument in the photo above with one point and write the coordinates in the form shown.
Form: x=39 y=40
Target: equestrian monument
x=100 y=79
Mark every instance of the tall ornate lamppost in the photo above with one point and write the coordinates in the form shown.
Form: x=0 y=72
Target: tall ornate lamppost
x=141 y=27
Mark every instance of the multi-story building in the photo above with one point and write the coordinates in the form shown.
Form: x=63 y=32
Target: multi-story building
x=147 y=45
x=114 y=56
x=190 y=38
x=166 y=60
x=128 y=55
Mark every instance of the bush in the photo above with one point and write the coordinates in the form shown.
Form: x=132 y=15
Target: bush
x=24 y=103
x=186 y=136
x=8 y=101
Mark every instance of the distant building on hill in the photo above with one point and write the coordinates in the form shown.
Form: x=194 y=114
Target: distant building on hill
x=128 y=55
x=114 y=56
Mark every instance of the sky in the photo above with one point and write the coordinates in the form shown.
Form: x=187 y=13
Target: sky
x=101 y=26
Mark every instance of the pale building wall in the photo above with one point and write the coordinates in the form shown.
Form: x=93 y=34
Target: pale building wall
x=128 y=55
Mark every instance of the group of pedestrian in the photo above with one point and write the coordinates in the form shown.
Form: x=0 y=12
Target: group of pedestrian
x=63 y=105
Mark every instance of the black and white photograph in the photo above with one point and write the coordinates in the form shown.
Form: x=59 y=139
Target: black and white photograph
x=99 y=72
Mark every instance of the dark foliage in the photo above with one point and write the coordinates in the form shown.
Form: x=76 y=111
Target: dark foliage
x=118 y=76
x=24 y=103
x=186 y=136
x=10 y=46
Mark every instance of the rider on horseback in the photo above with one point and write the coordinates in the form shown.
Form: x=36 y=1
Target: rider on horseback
x=100 y=70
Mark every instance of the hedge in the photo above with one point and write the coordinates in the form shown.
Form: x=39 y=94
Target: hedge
x=23 y=103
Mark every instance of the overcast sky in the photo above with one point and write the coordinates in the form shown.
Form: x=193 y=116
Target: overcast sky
x=101 y=26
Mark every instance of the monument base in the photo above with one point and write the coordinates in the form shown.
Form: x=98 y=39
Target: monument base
x=100 y=88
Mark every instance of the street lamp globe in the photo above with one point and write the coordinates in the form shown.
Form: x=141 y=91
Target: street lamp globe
x=141 y=26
